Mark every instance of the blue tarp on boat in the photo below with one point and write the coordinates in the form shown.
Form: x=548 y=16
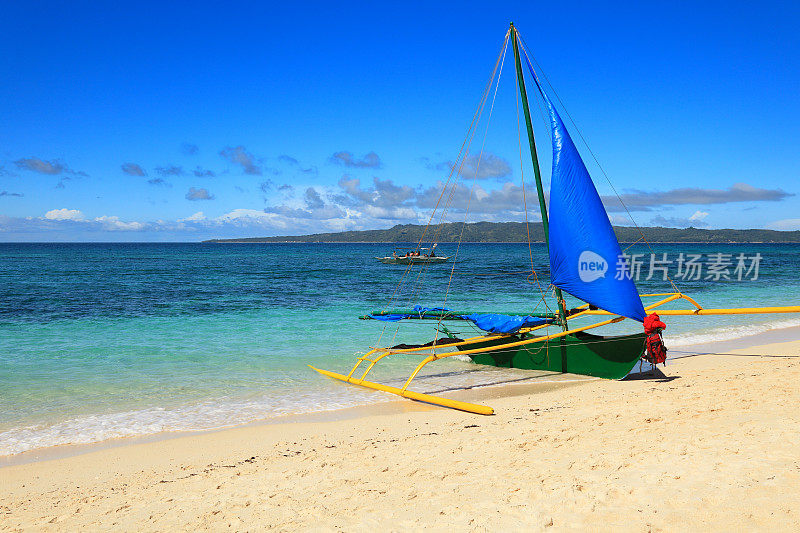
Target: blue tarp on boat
x=417 y=312
x=491 y=322
x=494 y=323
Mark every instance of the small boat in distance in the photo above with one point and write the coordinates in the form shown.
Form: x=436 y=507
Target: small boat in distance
x=414 y=257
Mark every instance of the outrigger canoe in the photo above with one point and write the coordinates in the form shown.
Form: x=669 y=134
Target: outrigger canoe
x=585 y=262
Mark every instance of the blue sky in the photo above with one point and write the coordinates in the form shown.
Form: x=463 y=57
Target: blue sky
x=160 y=121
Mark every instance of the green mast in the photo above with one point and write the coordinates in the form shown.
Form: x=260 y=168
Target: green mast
x=535 y=158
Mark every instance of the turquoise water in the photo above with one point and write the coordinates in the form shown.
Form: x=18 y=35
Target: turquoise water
x=112 y=340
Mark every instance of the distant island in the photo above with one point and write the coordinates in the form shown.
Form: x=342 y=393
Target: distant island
x=517 y=232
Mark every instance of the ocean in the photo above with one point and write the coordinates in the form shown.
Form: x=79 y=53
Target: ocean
x=101 y=341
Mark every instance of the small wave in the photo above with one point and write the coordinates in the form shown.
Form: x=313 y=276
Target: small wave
x=208 y=415
x=228 y=412
x=726 y=333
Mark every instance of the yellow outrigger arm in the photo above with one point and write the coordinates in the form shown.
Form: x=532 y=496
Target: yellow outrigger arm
x=463 y=347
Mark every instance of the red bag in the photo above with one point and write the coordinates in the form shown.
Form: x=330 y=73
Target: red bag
x=655 y=351
x=652 y=323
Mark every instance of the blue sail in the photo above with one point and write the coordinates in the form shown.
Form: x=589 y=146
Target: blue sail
x=584 y=252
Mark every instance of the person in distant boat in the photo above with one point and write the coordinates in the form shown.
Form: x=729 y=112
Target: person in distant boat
x=432 y=254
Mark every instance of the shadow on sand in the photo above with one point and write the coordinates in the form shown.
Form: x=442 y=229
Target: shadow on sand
x=654 y=374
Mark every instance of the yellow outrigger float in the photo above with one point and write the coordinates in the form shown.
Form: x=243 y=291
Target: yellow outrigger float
x=581 y=245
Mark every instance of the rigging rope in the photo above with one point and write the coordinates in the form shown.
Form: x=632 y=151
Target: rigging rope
x=477 y=172
x=586 y=144
x=461 y=160
x=522 y=176
x=470 y=135
x=525 y=200
x=462 y=156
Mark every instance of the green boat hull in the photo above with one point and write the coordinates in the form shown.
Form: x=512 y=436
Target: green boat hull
x=578 y=353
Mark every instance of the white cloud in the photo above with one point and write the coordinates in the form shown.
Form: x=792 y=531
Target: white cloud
x=252 y=217
x=237 y=214
x=677 y=222
x=61 y=224
x=64 y=214
x=391 y=212
x=481 y=194
x=110 y=223
x=698 y=215
x=638 y=200
x=113 y=223
x=488 y=166
x=620 y=220
x=479 y=167
x=193 y=218
x=787 y=224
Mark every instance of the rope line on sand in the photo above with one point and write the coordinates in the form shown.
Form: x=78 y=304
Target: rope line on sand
x=695 y=354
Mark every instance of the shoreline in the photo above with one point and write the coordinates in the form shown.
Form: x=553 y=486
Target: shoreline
x=215 y=241
x=388 y=406
x=478 y=242
x=707 y=442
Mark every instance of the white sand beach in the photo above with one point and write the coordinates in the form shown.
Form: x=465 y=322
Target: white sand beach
x=712 y=445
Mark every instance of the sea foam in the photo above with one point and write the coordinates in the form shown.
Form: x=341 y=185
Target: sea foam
x=228 y=412
x=726 y=333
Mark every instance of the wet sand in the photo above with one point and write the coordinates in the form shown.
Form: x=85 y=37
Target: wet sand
x=708 y=442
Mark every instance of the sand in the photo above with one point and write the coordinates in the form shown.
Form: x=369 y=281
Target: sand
x=712 y=445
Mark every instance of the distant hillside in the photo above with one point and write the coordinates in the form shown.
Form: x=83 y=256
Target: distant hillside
x=516 y=232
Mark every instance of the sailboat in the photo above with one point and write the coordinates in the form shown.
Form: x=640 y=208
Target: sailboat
x=584 y=257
